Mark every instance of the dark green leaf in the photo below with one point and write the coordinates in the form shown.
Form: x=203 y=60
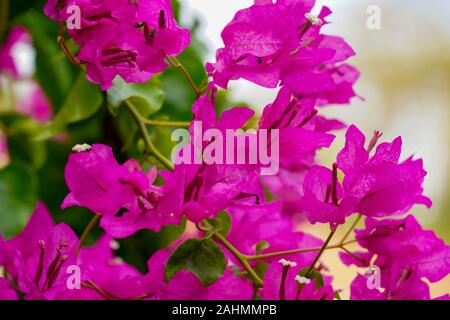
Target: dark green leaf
x=147 y=97
x=18 y=196
x=203 y=257
x=83 y=101
x=221 y=224
x=214 y=226
x=225 y=219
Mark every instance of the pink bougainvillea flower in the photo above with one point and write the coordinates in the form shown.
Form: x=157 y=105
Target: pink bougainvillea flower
x=376 y=186
x=405 y=243
x=99 y=183
x=32 y=101
x=153 y=207
x=311 y=131
x=321 y=197
x=295 y=119
x=405 y=254
x=185 y=286
x=123 y=38
x=257 y=43
x=401 y=286
x=210 y=188
x=40 y=257
x=272 y=42
x=37 y=257
x=161 y=28
x=99 y=265
x=282 y=282
x=12 y=54
x=95 y=180
x=265 y=223
x=17 y=66
x=109 y=55
x=379 y=185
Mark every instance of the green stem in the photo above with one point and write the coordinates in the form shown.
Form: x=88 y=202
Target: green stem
x=178 y=65
x=62 y=43
x=86 y=232
x=91 y=285
x=296 y=251
x=256 y=279
x=148 y=142
x=287 y=252
x=351 y=229
x=311 y=267
x=354 y=256
x=158 y=123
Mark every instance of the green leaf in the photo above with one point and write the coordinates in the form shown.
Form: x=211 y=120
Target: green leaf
x=221 y=224
x=18 y=197
x=316 y=275
x=83 y=101
x=215 y=226
x=262 y=246
x=147 y=97
x=225 y=219
x=203 y=257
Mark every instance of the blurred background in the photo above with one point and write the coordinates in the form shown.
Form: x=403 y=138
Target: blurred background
x=405 y=67
x=405 y=81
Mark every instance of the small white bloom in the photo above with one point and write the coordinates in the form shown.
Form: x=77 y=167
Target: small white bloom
x=287 y=263
x=302 y=280
x=82 y=148
x=315 y=21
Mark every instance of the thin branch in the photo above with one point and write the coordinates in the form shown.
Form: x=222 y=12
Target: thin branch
x=351 y=229
x=62 y=43
x=158 y=123
x=148 y=142
x=256 y=279
x=178 y=65
x=86 y=232
x=311 y=267
x=354 y=256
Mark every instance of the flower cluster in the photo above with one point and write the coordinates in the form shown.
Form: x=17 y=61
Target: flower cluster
x=242 y=227
x=121 y=37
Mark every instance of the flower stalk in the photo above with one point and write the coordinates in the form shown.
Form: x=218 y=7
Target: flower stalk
x=148 y=142
x=86 y=233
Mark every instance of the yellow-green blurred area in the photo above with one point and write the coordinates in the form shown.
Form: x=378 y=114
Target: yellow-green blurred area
x=405 y=81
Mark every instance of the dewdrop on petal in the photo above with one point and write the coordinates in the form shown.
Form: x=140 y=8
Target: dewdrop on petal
x=314 y=20
x=302 y=280
x=287 y=263
x=82 y=148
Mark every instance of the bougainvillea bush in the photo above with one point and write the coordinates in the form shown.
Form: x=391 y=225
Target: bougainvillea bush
x=98 y=201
